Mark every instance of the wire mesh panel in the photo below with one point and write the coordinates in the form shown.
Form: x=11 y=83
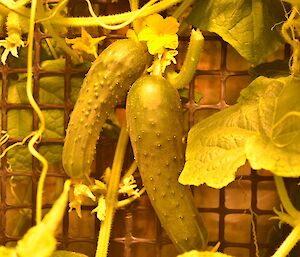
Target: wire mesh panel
x=236 y=216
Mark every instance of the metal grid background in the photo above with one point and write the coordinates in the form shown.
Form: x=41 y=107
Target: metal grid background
x=230 y=214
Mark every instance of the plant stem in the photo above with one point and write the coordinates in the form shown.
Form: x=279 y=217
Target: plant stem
x=23 y=217
x=60 y=41
x=288 y=243
x=284 y=198
x=184 y=77
x=3 y=10
x=129 y=200
x=113 y=19
x=288 y=33
x=123 y=24
x=21 y=10
x=182 y=8
x=156 y=67
x=36 y=108
x=134 y=5
x=111 y=200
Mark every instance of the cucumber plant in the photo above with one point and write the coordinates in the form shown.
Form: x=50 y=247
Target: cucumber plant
x=155 y=125
x=255 y=45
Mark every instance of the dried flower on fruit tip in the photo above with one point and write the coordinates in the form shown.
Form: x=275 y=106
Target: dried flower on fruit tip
x=81 y=192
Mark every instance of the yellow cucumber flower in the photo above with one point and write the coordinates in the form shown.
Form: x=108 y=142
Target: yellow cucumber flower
x=159 y=33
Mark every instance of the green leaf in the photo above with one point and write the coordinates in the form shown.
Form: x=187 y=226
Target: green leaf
x=54 y=65
x=279 y=126
x=53 y=154
x=19 y=122
x=19 y=159
x=76 y=83
x=287 y=113
x=215 y=150
x=54 y=123
x=263 y=127
x=278 y=68
x=249 y=26
x=52 y=87
x=195 y=253
x=37 y=242
x=51 y=90
x=267 y=105
x=17 y=92
x=263 y=154
x=184 y=94
x=215 y=147
x=67 y=254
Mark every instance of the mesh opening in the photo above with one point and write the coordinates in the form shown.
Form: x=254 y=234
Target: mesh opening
x=230 y=214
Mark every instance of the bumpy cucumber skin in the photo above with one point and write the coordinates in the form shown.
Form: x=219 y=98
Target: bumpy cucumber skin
x=155 y=125
x=106 y=84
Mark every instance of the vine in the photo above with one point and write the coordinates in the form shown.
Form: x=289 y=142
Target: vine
x=290 y=31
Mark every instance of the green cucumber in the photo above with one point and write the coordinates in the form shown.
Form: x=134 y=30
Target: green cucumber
x=155 y=125
x=105 y=85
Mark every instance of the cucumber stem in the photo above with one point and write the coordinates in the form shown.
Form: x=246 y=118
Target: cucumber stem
x=284 y=198
x=288 y=32
x=60 y=41
x=111 y=200
x=184 y=77
x=156 y=67
x=37 y=134
x=129 y=200
x=93 y=21
x=294 y=236
x=3 y=10
x=113 y=19
x=288 y=243
x=21 y=10
x=182 y=8
x=134 y=5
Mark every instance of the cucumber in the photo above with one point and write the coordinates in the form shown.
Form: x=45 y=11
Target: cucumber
x=105 y=85
x=155 y=125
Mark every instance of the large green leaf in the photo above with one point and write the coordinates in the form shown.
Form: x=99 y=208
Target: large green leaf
x=251 y=27
x=215 y=147
x=54 y=120
x=19 y=121
x=279 y=136
x=263 y=127
x=222 y=152
x=39 y=241
x=19 y=159
x=53 y=154
x=277 y=68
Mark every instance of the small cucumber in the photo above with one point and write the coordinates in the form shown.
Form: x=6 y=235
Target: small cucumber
x=155 y=125
x=105 y=85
